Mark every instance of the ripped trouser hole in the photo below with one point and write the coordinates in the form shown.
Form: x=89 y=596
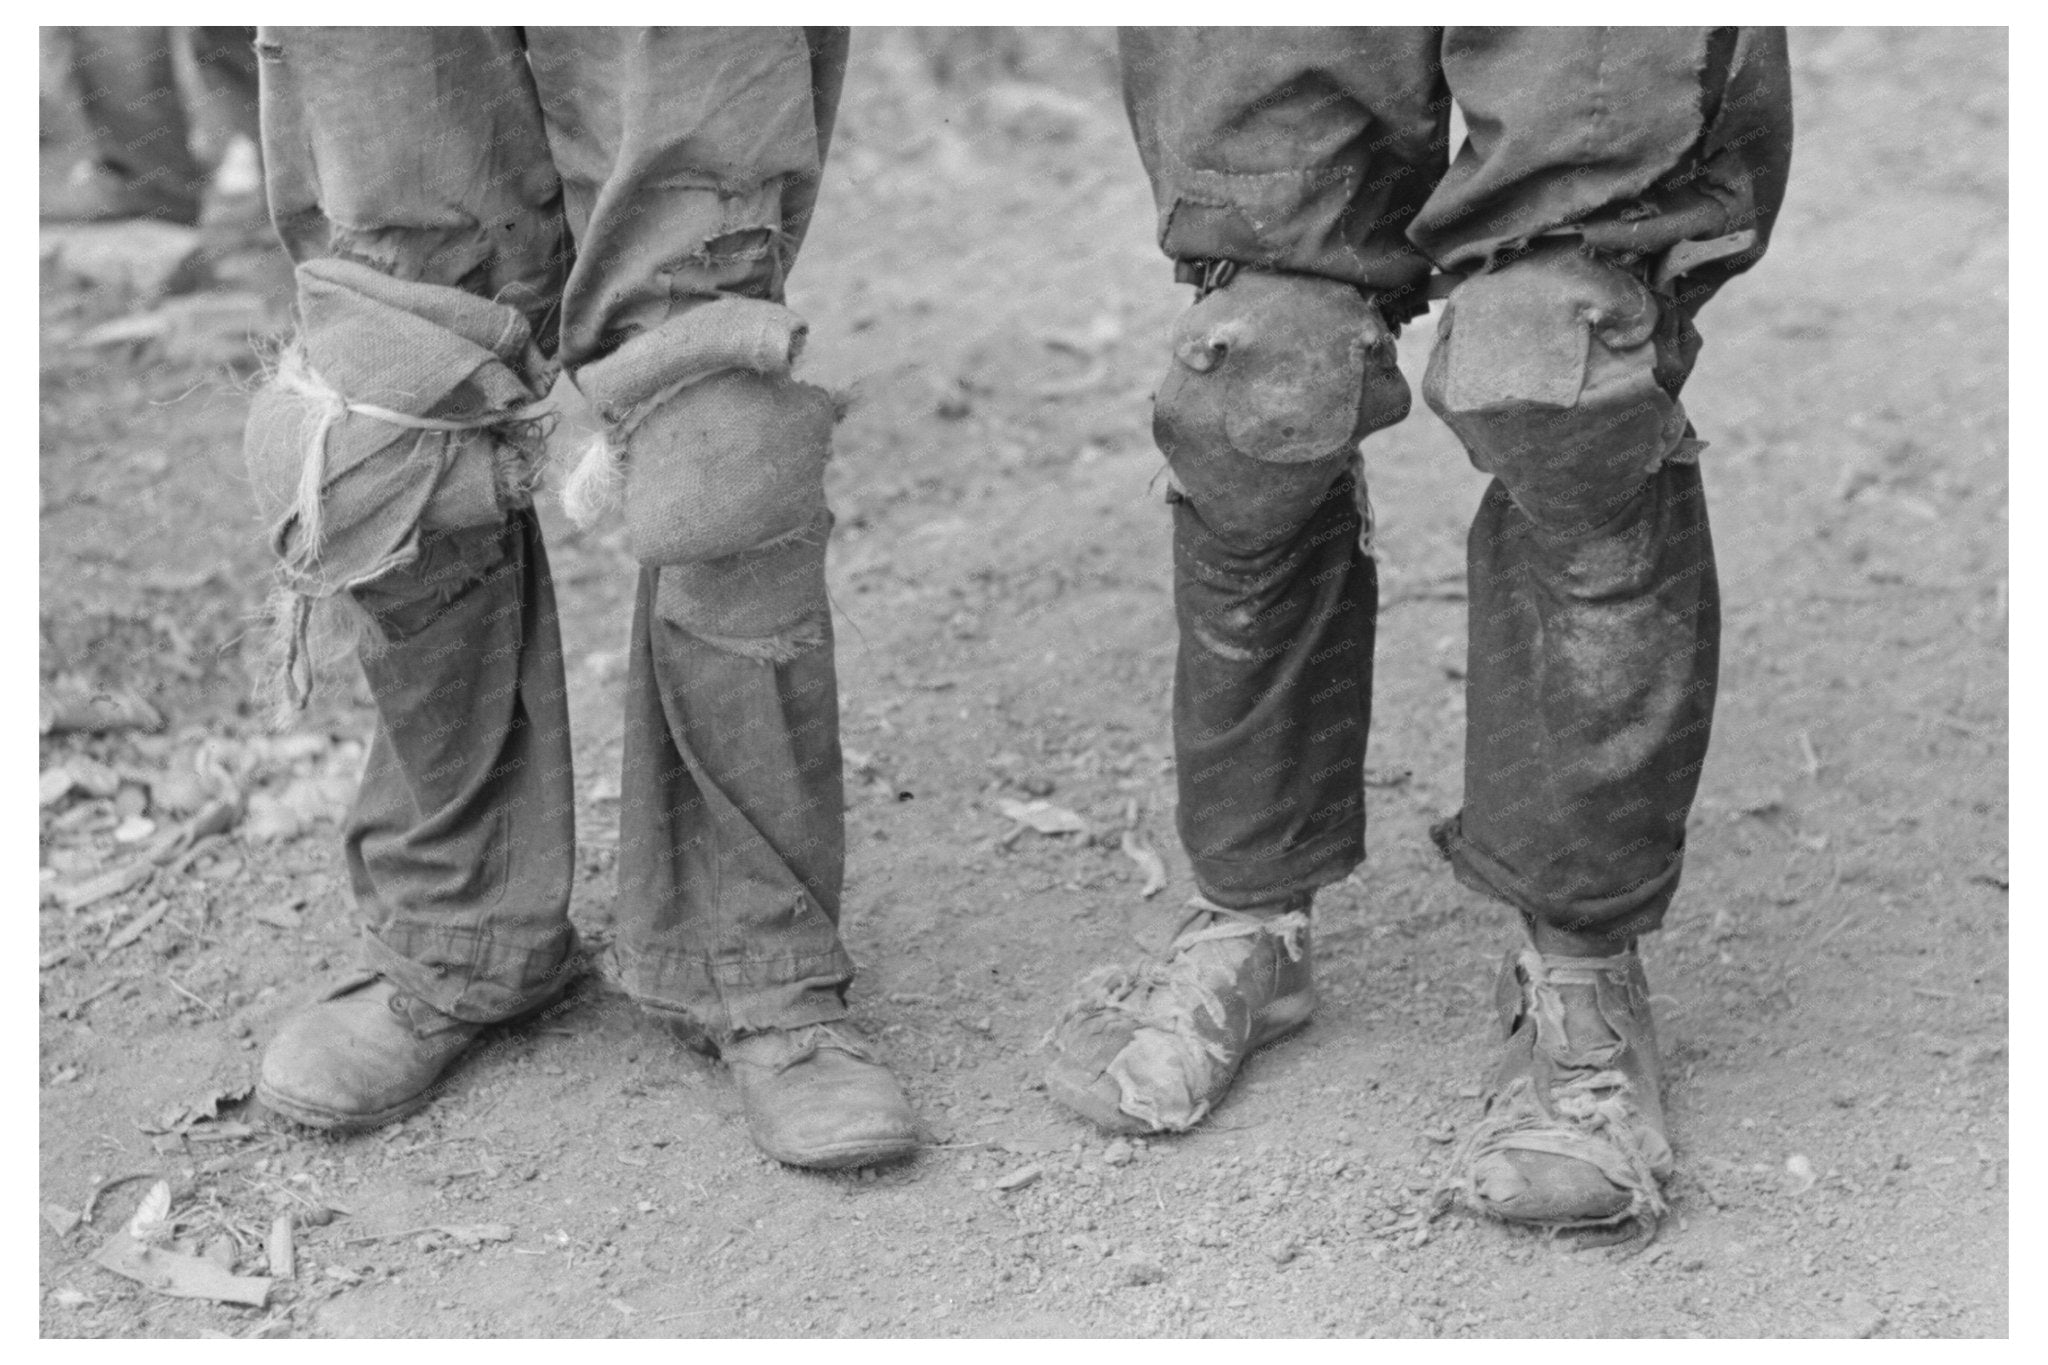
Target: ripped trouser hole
x=451 y=564
x=766 y=603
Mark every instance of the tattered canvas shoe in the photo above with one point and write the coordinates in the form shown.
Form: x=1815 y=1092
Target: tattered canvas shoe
x=1573 y=1134
x=820 y=1097
x=1153 y=1048
x=362 y=1057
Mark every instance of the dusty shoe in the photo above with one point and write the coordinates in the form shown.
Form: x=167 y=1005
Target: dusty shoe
x=1153 y=1048
x=365 y=1055
x=820 y=1097
x=1573 y=1133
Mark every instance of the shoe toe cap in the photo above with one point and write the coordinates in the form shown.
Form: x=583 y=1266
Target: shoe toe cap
x=1538 y=1187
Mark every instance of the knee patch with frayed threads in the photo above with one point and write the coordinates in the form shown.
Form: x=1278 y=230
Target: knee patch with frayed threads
x=400 y=408
x=1274 y=380
x=723 y=477
x=1560 y=374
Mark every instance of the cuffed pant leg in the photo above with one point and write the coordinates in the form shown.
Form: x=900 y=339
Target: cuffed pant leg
x=732 y=831
x=1272 y=700
x=690 y=160
x=1590 y=682
x=461 y=842
x=460 y=847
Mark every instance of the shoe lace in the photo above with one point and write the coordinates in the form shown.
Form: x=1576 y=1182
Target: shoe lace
x=816 y=1038
x=1588 y=1088
x=1170 y=982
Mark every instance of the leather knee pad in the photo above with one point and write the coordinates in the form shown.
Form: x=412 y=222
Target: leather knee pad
x=1273 y=382
x=1560 y=374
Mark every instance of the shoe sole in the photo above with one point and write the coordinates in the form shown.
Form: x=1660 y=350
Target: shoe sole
x=339 y=1120
x=1076 y=1088
x=844 y=1156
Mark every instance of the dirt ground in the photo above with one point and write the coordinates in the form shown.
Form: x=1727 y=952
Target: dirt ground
x=1832 y=986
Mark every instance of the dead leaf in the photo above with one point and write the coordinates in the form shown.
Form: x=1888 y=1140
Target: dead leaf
x=137 y=927
x=221 y=1251
x=55 y=785
x=92 y=1200
x=60 y=1219
x=1019 y=1178
x=134 y=829
x=1043 y=816
x=216 y=817
x=151 y=1220
x=283 y=1257
x=1149 y=862
x=221 y=1132
x=94 y=777
x=83 y=711
x=184 y=1277
x=93 y=890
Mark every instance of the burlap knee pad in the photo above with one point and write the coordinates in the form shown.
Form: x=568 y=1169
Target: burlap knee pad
x=1274 y=380
x=400 y=407
x=724 y=461
x=1560 y=374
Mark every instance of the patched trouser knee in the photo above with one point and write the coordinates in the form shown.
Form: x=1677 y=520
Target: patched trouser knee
x=1274 y=380
x=400 y=409
x=1560 y=374
x=723 y=473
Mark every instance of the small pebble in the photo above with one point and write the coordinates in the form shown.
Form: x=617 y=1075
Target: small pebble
x=1019 y=1178
x=134 y=829
x=1118 y=1153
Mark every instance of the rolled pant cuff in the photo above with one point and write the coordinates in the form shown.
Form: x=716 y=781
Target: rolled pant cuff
x=1237 y=884
x=499 y=981
x=742 y=997
x=1625 y=915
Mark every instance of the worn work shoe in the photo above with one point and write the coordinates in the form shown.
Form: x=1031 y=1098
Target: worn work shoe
x=820 y=1097
x=1153 y=1049
x=1573 y=1134
x=362 y=1057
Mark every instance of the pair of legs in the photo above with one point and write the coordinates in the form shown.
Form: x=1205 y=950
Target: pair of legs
x=142 y=163
x=470 y=211
x=1304 y=186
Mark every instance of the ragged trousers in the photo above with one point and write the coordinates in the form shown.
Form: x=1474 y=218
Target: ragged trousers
x=602 y=182
x=1593 y=639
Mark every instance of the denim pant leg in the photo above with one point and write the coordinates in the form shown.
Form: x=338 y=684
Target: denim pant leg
x=1591 y=672
x=1272 y=699
x=460 y=846
x=461 y=842
x=690 y=160
x=1595 y=617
